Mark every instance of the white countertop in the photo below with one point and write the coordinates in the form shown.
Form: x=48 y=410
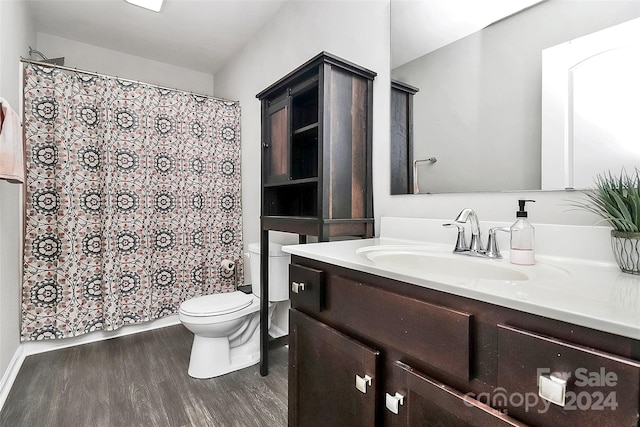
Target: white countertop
x=590 y=293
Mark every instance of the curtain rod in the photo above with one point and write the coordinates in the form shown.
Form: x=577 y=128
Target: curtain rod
x=93 y=73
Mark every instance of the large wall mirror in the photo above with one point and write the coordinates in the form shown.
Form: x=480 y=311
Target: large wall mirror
x=477 y=95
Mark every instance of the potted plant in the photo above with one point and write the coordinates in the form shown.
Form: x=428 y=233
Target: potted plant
x=617 y=200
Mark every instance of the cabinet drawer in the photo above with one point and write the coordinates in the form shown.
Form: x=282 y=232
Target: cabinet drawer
x=437 y=335
x=427 y=402
x=601 y=388
x=306 y=288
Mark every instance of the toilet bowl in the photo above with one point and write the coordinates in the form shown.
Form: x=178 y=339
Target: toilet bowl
x=225 y=325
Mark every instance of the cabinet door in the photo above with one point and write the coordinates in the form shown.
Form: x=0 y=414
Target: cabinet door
x=426 y=402
x=562 y=383
x=276 y=144
x=332 y=377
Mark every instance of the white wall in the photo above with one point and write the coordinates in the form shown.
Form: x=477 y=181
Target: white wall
x=357 y=31
x=16 y=34
x=106 y=61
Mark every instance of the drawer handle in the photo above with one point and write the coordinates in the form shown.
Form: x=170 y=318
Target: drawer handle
x=297 y=287
x=552 y=388
x=362 y=383
x=393 y=402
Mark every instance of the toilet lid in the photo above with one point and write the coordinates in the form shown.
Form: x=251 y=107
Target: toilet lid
x=221 y=303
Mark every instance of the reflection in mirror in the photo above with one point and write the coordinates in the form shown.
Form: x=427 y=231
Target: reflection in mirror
x=402 y=171
x=478 y=108
x=591 y=106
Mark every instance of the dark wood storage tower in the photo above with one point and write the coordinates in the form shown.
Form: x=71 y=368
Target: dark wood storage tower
x=316 y=159
x=402 y=137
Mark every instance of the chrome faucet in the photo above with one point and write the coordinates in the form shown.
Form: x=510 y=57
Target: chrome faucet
x=475 y=248
x=461 y=242
x=492 y=250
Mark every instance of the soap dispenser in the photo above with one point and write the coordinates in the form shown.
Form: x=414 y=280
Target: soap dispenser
x=522 y=238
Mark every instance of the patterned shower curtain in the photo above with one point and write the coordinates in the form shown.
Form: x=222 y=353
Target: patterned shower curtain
x=132 y=200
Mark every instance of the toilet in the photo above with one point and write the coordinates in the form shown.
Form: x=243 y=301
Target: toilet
x=225 y=325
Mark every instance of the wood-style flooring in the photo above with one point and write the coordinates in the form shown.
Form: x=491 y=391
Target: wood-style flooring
x=141 y=380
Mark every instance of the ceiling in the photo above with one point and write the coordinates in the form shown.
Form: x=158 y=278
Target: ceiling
x=199 y=35
x=203 y=35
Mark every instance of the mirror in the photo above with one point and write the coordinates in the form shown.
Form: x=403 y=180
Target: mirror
x=590 y=106
x=476 y=115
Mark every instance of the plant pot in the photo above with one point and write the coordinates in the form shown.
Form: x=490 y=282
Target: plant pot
x=626 y=250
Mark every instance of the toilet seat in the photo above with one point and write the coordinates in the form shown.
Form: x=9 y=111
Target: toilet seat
x=216 y=304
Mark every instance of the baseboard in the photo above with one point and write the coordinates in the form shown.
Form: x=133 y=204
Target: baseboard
x=10 y=374
x=276 y=332
x=35 y=347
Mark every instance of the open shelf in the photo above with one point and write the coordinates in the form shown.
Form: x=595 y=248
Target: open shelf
x=305 y=129
x=300 y=199
x=304 y=153
x=293 y=182
x=305 y=108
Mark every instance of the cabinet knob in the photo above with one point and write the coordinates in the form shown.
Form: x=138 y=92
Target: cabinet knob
x=363 y=382
x=393 y=402
x=297 y=287
x=552 y=388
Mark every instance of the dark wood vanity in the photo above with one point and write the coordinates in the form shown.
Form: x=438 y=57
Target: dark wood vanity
x=361 y=343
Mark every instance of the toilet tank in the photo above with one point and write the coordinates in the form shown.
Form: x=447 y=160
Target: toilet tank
x=278 y=271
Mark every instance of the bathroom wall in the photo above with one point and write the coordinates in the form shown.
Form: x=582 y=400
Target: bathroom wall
x=358 y=32
x=354 y=30
x=106 y=61
x=16 y=34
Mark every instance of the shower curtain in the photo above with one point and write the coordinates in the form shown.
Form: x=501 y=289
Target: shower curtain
x=132 y=201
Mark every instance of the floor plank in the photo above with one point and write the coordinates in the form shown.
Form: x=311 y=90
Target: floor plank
x=142 y=380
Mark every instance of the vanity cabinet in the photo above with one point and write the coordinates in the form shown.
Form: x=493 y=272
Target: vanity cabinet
x=433 y=358
x=600 y=387
x=324 y=391
x=333 y=378
x=427 y=402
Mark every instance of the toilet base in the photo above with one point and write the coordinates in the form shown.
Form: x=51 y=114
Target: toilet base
x=211 y=357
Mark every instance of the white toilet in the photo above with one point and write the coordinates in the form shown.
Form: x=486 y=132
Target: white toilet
x=225 y=325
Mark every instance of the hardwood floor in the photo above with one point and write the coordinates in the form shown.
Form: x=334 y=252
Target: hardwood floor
x=142 y=380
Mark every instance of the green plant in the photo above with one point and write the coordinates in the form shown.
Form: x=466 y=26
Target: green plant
x=616 y=199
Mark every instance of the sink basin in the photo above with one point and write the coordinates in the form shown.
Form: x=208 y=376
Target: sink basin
x=432 y=261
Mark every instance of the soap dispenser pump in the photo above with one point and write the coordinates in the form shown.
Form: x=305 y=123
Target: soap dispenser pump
x=522 y=238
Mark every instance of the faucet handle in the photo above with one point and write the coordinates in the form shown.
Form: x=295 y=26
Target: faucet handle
x=492 y=244
x=461 y=242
